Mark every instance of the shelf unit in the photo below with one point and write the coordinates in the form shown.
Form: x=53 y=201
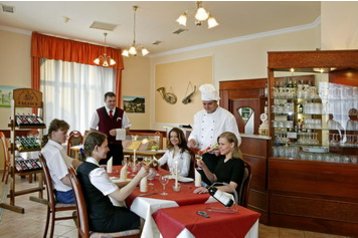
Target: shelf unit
x=24 y=98
x=312 y=181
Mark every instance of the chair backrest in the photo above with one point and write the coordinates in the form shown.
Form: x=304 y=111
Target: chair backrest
x=243 y=192
x=48 y=181
x=75 y=138
x=4 y=147
x=83 y=226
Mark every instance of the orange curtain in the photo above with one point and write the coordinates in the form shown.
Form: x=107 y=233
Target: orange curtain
x=50 y=47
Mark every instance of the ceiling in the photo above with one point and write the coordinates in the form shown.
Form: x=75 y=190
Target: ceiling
x=155 y=20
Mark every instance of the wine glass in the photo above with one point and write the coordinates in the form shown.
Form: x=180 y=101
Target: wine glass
x=198 y=157
x=163 y=179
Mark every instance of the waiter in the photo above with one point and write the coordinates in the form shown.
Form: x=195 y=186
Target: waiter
x=112 y=121
x=209 y=123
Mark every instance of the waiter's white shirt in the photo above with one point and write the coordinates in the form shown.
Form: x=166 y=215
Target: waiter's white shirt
x=99 y=178
x=208 y=126
x=183 y=159
x=126 y=123
x=57 y=162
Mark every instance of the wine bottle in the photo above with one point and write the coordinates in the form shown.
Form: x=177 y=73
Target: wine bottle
x=220 y=196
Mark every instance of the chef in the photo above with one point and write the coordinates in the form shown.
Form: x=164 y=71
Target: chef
x=208 y=124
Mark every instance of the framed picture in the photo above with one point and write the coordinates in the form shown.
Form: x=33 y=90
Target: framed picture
x=6 y=95
x=134 y=104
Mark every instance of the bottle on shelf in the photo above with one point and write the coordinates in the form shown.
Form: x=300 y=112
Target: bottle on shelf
x=220 y=196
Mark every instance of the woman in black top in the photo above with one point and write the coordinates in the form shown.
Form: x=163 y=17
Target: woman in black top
x=230 y=168
x=101 y=193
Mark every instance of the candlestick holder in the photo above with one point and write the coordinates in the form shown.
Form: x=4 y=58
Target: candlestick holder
x=176 y=189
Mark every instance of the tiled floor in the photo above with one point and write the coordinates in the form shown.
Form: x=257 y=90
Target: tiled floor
x=31 y=224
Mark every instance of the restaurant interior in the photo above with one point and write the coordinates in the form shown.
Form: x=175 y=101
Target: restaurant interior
x=287 y=71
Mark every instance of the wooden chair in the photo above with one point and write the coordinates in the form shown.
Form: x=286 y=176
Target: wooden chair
x=52 y=206
x=83 y=226
x=7 y=162
x=243 y=191
x=75 y=138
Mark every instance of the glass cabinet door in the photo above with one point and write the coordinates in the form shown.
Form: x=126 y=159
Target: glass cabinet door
x=313 y=113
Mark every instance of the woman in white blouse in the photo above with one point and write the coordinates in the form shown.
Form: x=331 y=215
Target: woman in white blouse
x=177 y=152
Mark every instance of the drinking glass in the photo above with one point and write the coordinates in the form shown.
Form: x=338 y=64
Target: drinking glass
x=163 y=179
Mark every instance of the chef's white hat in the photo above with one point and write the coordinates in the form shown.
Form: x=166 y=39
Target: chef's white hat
x=209 y=93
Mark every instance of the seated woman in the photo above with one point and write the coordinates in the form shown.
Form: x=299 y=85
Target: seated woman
x=177 y=152
x=98 y=189
x=57 y=161
x=230 y=168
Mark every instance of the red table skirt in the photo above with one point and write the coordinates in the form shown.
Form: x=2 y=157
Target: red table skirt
x=171 y=221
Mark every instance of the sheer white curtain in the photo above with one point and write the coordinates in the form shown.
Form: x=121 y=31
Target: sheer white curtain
x=73 y=91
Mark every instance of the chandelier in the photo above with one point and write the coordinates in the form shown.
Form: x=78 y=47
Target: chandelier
x=201 y=16
x=104 y=60
x=133 y=49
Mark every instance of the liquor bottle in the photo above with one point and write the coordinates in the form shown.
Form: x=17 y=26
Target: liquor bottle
x=220 y=196
x=39 y=120
x=29 y=119
x=18 y=143
x=24 y=119
x=18 y=120
x=34 y=119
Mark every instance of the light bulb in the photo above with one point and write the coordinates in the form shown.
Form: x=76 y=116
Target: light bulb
x=125 y=53
x=132 y=50
x=212 y=22
x=182 y=19
x=145 y=51
x=96 y=60
x=112 y=61
x=201 y=14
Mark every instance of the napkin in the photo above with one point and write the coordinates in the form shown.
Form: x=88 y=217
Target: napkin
x=120 y=134
x=123 y=173
x=143 y=186
x=197 y=181
x=109 y=165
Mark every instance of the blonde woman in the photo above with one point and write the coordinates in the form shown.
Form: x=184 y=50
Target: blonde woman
x=230 y=168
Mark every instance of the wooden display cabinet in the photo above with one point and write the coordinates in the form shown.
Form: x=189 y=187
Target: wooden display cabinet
x=311 y=179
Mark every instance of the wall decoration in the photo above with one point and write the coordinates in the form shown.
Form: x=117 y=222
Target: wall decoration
x=167 y=96
x=187 y=98
x=134 y=104
x=6 y=95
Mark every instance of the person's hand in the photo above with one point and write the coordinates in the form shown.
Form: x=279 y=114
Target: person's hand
x=200 y=163
x=191 y=143
x=201 y=190
x=113 y=132
x=144 y=171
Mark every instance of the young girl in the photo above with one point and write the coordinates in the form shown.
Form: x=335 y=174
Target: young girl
x=230 y=167
x=177 y=152
x=57 y=161
x=100 y=192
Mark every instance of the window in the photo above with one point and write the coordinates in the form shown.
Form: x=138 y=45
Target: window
x=73 y=91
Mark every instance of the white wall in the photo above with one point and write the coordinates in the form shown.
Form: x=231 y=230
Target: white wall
x=339 y=25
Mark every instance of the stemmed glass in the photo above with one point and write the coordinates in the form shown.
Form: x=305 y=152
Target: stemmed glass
x=163 y=179
x=198 y=157
x=148 y=161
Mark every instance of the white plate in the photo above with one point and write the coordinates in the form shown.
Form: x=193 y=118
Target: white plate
x=185 y=180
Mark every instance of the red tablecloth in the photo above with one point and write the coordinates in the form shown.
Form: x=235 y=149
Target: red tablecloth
x=184 y=197
x=171 y=221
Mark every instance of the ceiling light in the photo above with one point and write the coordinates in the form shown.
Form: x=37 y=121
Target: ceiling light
x=104 y=60
x=132 y=51
x=201 y=15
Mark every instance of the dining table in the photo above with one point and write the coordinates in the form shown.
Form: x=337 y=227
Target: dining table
x=145 y=204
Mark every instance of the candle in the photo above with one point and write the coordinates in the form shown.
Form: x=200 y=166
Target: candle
x=176 y=174
x=134 y=167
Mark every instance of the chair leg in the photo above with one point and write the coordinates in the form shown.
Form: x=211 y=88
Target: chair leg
x=47 y=221
x=52 y=223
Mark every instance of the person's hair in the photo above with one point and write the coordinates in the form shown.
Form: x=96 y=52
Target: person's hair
x=231 y=138
x=93 y=139
x=181 y=137
x=55 y=125
x=109 y=95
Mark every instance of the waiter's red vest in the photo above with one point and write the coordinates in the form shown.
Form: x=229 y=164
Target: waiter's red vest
x=106 y=123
